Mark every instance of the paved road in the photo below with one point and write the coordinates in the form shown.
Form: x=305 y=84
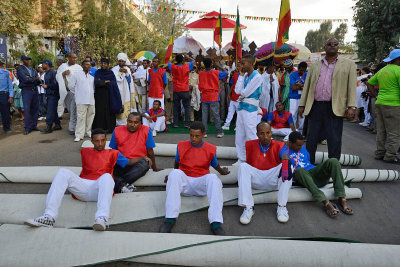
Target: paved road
x=376 y=218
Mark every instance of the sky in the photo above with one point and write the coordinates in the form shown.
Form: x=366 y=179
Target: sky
x=262 y=32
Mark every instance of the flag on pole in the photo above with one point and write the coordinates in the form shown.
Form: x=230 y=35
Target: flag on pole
x=283 y=23
x=218 y=30
x=168 y=55
x=237 y=38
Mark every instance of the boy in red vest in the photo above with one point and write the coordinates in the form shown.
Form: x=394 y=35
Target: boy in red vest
x=180 y=81
x=265 y=169
x=155 y=118
x=135 y=141
x=281 y=121
x=191 y=177
x=209 y=88
x=157 y=80
x=95 y=183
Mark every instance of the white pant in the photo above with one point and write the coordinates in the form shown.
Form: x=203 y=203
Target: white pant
x=158 y=125
x=297 y=120
x=180 y=184
x=85 y=117
x=233 y=106
x=245 y=130
x=282 y=132
x=71 y=106
x=60 y=106
x=151 y=100
x=100 y=190
x=269 y=180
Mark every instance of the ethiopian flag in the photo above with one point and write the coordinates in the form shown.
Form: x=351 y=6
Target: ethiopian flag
x=284 y=23
x=218 y=30
x=237 y=38
x=168 y=55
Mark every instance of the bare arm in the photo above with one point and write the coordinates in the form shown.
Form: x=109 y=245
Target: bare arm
x=150 y=154
x=292 y=127
x=371 y=89
x=222 y=171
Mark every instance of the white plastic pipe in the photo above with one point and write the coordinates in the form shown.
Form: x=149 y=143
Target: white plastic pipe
x=72 y=247
x=16 y=208
x=45 y=174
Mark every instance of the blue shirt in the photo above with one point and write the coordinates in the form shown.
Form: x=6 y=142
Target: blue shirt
x=302 y=157
x=92 y=71
x=6 y=83
x=222 y=75
x=149 y=142
x=271 y=117
x=213 y=163
x=295 y=78
x=191 y=64
x=121 y=160
x=164 y=77
x=256 y=94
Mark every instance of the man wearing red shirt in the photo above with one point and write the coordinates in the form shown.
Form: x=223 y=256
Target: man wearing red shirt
x=95 y=183
x=155 y=118
x=281 y=121
x=191 y=177
x=264 y=169
x=157 y=80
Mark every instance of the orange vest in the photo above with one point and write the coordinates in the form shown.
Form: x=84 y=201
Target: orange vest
x=180 y=77
x=209 y=85
x=156 y=87
x=280 y=122
x=132 y=145
x=96 y=163
x=255 y=157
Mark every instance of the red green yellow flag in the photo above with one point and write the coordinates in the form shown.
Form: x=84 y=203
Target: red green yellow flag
x=168 y=55
x=237 y=38
x=283 y=23
x=218 y=30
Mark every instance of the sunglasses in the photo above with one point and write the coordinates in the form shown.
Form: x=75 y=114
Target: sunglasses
x=332 y=44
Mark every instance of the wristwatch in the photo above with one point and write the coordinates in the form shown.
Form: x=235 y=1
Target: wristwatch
x=353 y=108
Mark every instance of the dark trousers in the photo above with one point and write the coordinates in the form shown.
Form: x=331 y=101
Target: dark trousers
x=185 y=97
x=30 y=98
x=5 y=111
x=42 y=105
x=321 y=117
x=52 y=116
x=129 y=174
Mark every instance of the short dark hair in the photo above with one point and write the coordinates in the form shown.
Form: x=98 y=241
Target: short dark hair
x=294 y=136
x=83 y=62
x=207 y=62
x=260 y=123
x=135 y=114
x=278 y=102
x=303 y=64
x=198 y=125
x=98 y=131
x=91 y=59
x=249 y=58
x=2 y=63
x=367 y=70
x=158 y=101
x=179 y=58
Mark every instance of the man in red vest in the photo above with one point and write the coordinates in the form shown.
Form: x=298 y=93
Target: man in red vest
x=180 y=81
x=209 y=88
x=281 y=121
x=233 y=104
x=264 y=169
x=95 y=183
x=155 y=118
x=191 y=177
x=135 y=141
x=157 y=80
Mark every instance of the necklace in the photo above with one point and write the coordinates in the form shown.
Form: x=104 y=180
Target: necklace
x=264 y=150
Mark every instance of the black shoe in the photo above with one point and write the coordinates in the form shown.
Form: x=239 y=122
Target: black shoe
x=217 y=231
x=394 y=161
x=57 y=127
x=35 y=129
x=26 y=132
x=47 y=130
x=166 y=227
x=71 y=132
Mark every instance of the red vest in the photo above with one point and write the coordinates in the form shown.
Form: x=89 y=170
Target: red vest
x=156 y=87
x=132 y=145
x=96 y=163
x=234 y=96
x=263 y=110
x=152 y=113
x=195 y=161
x=278 y=122
x=180 y=77
x=209 y=85
x=255 y=157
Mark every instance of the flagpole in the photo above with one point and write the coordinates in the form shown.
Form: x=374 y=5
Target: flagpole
x=236 y=50
x=277 y=30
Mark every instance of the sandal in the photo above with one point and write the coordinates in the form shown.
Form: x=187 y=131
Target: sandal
x=330 y=212
x=347 y=211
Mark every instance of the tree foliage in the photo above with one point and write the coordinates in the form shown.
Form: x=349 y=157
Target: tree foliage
x=59 y=17
x=378 y=28
x=315 y=40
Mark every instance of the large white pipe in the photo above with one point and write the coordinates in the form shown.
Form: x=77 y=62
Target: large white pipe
x=225 y=152
x=15 y=208
x=72 y=247
x=45 y=174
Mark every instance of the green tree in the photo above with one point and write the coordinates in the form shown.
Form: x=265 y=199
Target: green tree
x=315 y=40
x=58 y=17
x=378 y=27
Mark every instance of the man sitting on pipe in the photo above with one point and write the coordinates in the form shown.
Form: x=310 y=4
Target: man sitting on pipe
x=312 y=177
x=191 y=177
x=265 y=169
x=95 y=182
x=135 y=141
x=281 y=121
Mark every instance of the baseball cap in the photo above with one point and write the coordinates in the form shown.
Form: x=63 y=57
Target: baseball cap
x=393 y=55
x=48 y=62
x=23 y=57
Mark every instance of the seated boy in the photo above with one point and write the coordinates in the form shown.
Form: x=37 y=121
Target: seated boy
x=155 y=118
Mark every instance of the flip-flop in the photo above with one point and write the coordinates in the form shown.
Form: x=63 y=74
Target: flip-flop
x=344 y=210
x=328 y=211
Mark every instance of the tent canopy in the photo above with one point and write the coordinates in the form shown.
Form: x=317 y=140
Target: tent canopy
x=209 y=20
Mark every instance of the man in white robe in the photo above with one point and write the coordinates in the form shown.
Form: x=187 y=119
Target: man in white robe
x=124 y=81
x=270 y=88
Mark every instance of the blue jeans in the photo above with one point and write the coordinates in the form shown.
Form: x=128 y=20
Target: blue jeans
x=214 y=108
x=185 y=97
x=5 y=111
x=52 y=116
x=42 y=105
x=129 y=174
x=30 y=98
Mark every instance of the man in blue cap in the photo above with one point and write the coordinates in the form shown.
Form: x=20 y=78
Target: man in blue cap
x=6 y=97
x=53 y=95
x=28 y=80
x=387 y=108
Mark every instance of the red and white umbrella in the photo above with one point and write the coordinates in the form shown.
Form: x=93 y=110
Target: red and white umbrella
x=209 y=20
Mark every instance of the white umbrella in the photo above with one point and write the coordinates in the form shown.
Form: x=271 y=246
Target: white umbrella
x=186 y=44
x=304 y=53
